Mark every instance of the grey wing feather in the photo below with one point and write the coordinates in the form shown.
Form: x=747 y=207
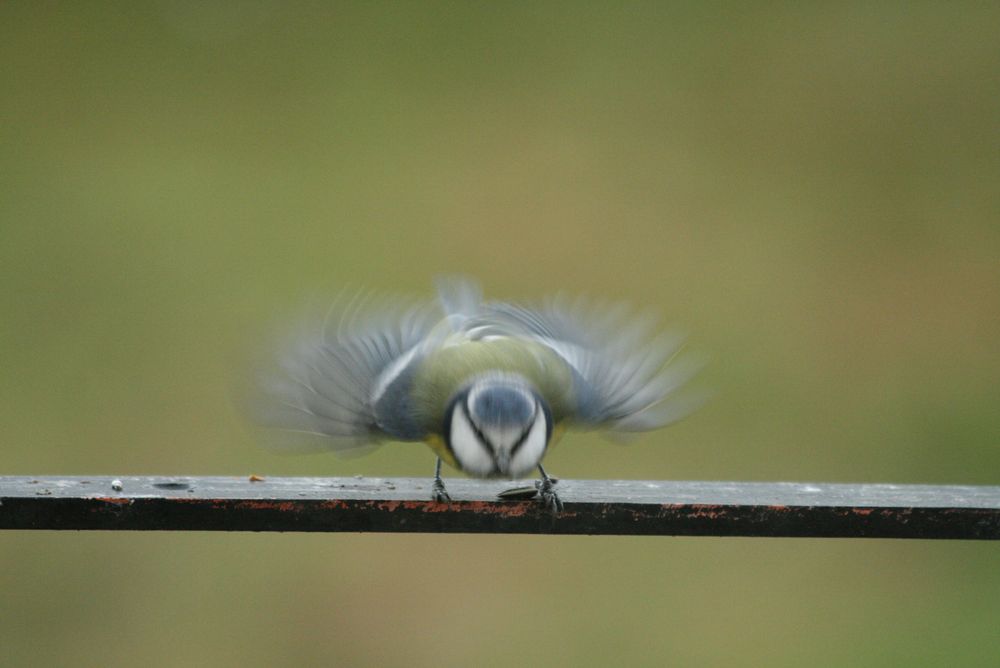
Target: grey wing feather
x=627 y=378
x=460 y=297
x=326 y=378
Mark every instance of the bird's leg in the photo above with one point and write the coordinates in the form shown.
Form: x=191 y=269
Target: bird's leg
x=438 y=492
x=547 y=494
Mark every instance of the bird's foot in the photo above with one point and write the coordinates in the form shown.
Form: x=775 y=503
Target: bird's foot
x=547 y=495
x=438 y=493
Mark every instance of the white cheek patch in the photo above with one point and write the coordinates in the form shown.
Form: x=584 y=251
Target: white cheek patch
x=471 y=454
x=528 y=456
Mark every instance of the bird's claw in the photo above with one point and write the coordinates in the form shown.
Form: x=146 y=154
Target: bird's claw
x=547 y=495
x=438 y=492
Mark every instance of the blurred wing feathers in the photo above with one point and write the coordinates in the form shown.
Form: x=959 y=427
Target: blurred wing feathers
x=626 y=378
x=345 y=380
x=326 y=379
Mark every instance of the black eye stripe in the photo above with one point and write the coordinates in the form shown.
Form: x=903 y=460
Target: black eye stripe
x=463 y=400
x=521 y=439
x=485 y=442
x=527 y=430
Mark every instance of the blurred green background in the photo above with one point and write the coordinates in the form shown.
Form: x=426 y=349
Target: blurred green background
x=812 y=189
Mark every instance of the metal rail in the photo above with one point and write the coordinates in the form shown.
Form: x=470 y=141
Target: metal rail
x=608 y=507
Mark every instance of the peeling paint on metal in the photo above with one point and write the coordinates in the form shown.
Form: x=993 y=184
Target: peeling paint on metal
x=114 y=500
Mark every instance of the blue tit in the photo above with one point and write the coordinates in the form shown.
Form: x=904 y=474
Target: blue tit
x=490 y=386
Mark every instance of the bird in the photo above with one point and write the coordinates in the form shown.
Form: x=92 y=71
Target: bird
x=490 y=386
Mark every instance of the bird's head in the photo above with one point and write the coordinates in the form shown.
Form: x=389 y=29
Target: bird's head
x=498 y=427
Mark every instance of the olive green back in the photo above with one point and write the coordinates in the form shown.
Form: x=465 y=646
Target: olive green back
x=446 y=370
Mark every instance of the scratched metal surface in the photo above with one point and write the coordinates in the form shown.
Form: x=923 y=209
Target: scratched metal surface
x=591 y=507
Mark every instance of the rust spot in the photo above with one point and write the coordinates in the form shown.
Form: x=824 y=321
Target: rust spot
x=255 y=478
x=116 y=500
x=702 y=510
x=501 y=509
x=283 y=506
x=863 y=512
x=334 y=504
x=393 y=506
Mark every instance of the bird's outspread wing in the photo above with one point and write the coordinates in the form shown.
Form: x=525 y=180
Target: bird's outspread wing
x=347 y=379
x=627 y=377
x=327 y=378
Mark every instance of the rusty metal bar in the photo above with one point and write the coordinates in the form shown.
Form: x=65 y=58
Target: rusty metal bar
x=611 y=507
